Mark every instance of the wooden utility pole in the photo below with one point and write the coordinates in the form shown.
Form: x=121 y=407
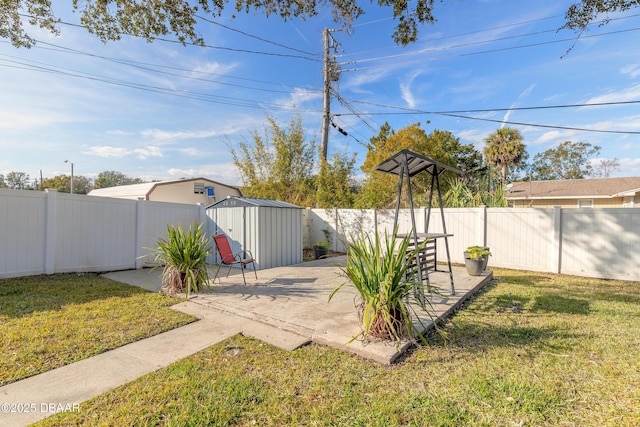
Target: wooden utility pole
x=330 y=74
x=326 y=113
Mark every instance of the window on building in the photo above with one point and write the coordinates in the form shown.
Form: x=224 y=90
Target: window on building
x=585 y=203
x=198 y=188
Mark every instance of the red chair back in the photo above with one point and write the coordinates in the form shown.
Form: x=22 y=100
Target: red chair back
x=224 y=249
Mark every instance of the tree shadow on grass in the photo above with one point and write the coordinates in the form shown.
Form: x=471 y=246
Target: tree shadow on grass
x=22 y=296
x=560 y=304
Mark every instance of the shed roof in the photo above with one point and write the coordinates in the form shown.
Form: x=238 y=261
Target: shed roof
x=234 y=202
x=574 y=188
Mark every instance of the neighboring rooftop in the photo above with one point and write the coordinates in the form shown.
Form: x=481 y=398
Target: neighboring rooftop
x=574 y=188
x=145 y=190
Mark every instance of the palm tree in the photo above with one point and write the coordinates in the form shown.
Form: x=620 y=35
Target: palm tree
x=504 y=148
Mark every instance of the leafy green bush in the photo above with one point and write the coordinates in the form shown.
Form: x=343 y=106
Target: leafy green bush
x=183 y=256
x=381 y=270
x=477 y=252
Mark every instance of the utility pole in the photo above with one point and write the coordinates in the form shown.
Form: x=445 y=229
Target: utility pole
x=331 y=73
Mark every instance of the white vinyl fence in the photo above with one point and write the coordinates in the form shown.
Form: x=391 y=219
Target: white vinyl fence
x=603 y=243
x=50 y=232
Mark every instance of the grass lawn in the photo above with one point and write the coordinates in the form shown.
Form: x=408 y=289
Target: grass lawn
x=534 y=349
x=50 y=321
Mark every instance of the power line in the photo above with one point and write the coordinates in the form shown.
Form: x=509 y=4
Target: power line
x=491 y=110
x=455 y=114
x=217 y=99
x=555 y=30
x=146 y=66
x=255 y=37
x=541 y=126
x=493 y=50
x=184 y=43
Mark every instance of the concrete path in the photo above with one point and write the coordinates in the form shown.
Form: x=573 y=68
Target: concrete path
x=287 y=307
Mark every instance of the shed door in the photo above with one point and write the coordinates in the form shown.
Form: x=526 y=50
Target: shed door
x=229 y=221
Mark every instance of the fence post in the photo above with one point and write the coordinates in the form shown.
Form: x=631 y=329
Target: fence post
x=375 y=220
x=555 y=253
x=202 y=214
x=481 y=226
x=50 y=232
x=139 y=262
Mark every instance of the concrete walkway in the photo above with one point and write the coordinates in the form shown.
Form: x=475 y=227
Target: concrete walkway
x=286 y=306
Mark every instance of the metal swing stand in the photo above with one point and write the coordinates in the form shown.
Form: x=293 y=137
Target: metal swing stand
x=407 y=164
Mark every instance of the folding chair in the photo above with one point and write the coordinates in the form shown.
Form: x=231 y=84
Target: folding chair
x=227 y=257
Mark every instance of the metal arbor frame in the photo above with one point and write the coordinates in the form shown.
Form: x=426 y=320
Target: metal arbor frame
x=406 y=164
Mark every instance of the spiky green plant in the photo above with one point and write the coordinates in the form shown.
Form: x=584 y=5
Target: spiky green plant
x=382 y=271
x=183 y=256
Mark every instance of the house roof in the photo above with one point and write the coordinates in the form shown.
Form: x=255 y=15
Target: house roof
x=233 y=202
x=137 y=191
x=598 y=188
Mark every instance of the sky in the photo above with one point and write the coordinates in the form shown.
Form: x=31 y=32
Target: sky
x=161 y=110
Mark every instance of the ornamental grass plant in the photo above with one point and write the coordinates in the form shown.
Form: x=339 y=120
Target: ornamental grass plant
x=183 y=258
x=382 y=270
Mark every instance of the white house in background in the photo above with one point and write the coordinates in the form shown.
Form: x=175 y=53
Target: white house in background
x=192 y=190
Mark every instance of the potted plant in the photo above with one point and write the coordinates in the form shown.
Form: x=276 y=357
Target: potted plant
x=183 y=257
x=321 y=249
x=476 y=259
x=381 y=271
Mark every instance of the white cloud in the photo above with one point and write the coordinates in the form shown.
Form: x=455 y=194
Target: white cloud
x=226 y=173
x=162 y=135
x=522 y=95
x=148 y=151
x=107 y=151
x=12 y=120
x=628 y=167
x=300 y=96
x=473 y=136
x=556 y=136
x=627 y=94
x=213 y=67
x=405 y=90
x=190 y=151
x=632 y=70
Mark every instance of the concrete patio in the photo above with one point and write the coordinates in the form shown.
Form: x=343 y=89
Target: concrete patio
x=295 y=299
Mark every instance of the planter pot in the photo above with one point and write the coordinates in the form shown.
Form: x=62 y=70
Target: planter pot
x=475 y=267
x=320 y=252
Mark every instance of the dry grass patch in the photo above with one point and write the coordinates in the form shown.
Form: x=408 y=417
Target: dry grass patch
x=532 y=350
x=50 y=321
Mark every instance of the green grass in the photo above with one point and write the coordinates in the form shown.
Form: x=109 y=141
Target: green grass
x=50 y=321
x=533 y=350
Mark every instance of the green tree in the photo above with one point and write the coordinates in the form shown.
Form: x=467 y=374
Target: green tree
x=18 y=180
x=380 y=189
x=3 y=184
x=504 y=148
x=336 y=184
x=108 y=179
x=110 y=19
x=279 y=164
x=570 y=160
x=461 y=195
x=584 y=12
x=62 y=183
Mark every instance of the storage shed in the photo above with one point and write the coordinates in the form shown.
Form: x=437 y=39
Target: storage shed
x=270 y=229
